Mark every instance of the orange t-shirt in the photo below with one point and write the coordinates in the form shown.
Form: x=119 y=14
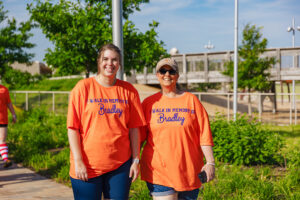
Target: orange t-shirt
x=176 y=127
x=103 y=116
x=4 y=100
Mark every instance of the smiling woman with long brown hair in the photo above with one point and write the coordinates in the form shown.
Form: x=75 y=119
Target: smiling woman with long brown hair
x=103 y=118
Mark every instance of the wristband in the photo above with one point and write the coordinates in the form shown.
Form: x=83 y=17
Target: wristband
x=136 y=160
x=210 y=163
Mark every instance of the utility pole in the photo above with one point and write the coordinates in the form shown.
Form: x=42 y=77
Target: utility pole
x=118 y=31
x=235 y=73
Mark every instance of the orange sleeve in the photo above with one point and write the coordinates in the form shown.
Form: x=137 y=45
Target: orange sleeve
x=204 y=125
x=73 y=117
x=137 y=118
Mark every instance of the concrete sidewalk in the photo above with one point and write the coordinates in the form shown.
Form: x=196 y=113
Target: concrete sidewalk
x=17 y=182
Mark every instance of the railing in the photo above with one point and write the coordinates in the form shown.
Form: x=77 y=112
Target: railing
x=267 y=107
x=38 y=97
x=208 y=67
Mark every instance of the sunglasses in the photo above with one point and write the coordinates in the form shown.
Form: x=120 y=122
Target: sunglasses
x=163 y=71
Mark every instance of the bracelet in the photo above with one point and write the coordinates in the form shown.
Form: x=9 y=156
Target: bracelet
x=210 y=163
x=136 y=160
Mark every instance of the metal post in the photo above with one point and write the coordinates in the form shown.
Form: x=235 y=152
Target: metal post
x=295 y=112
x=39 y=99
x=235 y=78
x=26 y=98
x=291 y=111
x=118 y=31
x=259 y=106
x=53 y=101
x=293 y=42
x=228 y=106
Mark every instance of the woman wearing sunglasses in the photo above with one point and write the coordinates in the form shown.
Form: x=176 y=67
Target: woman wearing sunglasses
x=177 y=135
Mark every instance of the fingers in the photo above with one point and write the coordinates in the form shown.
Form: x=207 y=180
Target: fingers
x=82 y=176
x=130 y=172
x=80 y=171
x=210 y=172
x=14 y=119
x=134 y=171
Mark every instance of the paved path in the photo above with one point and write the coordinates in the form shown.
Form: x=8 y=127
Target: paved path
x=18 y=183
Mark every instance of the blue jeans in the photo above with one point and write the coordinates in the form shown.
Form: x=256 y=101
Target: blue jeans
x=160 y=190
x=114 y=185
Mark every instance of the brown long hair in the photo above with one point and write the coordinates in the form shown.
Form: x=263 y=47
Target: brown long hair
x=111 y=47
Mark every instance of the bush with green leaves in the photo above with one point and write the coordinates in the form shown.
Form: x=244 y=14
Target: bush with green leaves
x=15 y=79
x=35 y=133
x=244 y=141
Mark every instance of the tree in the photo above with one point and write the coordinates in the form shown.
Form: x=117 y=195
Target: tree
x=253 y=69
x=13 y=46
x=79 y=29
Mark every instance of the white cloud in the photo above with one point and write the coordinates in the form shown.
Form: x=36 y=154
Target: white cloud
x=190 y=24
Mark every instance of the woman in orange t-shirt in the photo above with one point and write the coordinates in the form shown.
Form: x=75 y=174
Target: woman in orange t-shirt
x=104 y=114
x=5 y=103
x=177 y=135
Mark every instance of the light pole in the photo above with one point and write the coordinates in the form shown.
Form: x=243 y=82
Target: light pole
x=235 y=72
x=209 y=46
x=293 y=30
x=118 y=31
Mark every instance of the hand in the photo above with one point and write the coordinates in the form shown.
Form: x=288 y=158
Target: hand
x=80 y=171
x=134 y=171
x=14 y=118
x=210 y=171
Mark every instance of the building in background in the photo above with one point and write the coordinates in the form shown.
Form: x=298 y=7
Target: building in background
x=36 y=67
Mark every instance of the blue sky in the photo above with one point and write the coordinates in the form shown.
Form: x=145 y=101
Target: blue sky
x=188 y=25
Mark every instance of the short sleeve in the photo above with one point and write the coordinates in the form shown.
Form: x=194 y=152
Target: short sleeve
x=204 y=125
x=73 y=117
x=137 y=118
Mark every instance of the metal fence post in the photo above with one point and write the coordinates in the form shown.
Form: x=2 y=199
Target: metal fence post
x=295 y=106
x=26 y=101
x=259 y=106
x=39 y=99
x=291 y=110
x=53 y=102
x=228 y=107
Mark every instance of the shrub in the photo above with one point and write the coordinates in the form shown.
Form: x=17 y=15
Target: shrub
x=36 y=132
x=244 y=141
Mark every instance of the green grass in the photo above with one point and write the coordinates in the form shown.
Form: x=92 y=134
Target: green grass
x=44 y=100
x=39 y=141
x=41 y=101
x=52 y=85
